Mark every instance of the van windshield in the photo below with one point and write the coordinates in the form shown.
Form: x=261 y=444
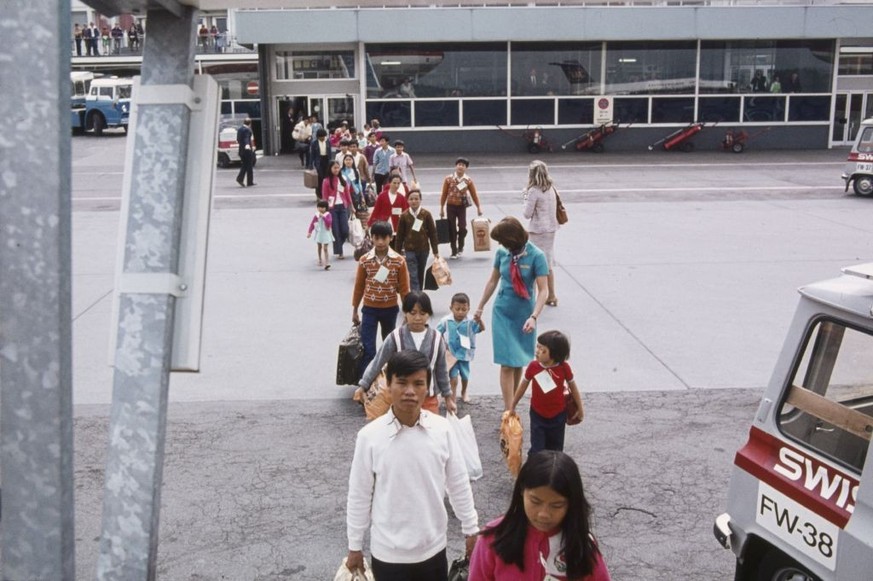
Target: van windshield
x=829 y=404
x=865 y=143
x=124 y=91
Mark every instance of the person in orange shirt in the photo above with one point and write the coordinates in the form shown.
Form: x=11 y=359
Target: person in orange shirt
x=458 y=193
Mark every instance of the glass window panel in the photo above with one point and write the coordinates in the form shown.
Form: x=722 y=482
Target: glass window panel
x=764 y=109
x=322 y=64
x=632 y=110
x=490 y=112
x=252 y=109
x=766 y=66
x=437 y=113
x=856 y=64
x=809 y=108
x=390 y=113
x=717 y=109
x=641 y=68
x=575 y=111
x=673 y=110
x=568 y=68
x=436 y=70
x=532 y=112
x=226 y=108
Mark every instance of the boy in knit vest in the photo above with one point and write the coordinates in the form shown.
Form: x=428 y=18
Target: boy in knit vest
x=382 y=275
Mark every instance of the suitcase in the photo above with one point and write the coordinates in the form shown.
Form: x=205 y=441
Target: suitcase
x=349 y=358
x=442 y=226
x=310 y=179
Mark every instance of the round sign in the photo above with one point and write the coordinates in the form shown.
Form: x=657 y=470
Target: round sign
x=603 y=103
x=252 y=88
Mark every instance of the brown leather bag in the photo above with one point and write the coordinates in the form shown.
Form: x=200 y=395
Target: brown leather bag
x=560 y=210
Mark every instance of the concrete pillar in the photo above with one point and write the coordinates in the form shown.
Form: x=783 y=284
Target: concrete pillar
x=132 y=497
x=36 y=429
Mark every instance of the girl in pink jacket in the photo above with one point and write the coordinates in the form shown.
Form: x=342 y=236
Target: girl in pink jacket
x=545 y=534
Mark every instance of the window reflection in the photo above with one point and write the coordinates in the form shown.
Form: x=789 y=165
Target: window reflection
x=390 y=113
x=437 y=113
x=576 y=111
x=634 y=68
x=766 y=66
x=555 y=68
x=673 y=110
x=718 y=109
x=631 y=110
x=764 y=109
x=307 y=64
x=809 y=108
x=436 y=70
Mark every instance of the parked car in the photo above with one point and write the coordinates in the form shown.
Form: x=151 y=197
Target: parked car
x=800 y=502
x=228 y=148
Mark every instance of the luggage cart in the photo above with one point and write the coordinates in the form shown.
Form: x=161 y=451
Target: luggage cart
x=735 y=140
x=536 y=140
x=680 y=139
x=593 y=140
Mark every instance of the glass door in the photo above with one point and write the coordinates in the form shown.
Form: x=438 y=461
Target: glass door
x=849 y=110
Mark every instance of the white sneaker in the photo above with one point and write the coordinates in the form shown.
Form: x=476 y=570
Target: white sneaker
x=454 y=256
x=460 y=253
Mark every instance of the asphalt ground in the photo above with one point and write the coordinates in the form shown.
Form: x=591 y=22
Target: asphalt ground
x=676 y=280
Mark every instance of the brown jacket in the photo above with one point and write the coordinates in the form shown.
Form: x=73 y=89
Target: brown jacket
x=381 y=295
x=452 y=196
x=409 y=239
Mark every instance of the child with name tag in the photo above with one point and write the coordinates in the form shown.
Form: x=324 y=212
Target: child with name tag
x=549 y=372
x=416 y=232
x=321 y=226
x=381 y=276
x=459 y=331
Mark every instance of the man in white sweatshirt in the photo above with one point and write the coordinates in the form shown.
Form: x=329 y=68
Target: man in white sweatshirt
x=405 y=463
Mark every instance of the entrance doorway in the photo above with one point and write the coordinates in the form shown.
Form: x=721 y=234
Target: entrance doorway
x=849 y=110
x=332 y=110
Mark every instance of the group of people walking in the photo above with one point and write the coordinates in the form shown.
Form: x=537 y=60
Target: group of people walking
x=407 y=460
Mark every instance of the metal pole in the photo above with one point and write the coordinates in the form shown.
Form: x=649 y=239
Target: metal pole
x=134 y=468
x=36 y=426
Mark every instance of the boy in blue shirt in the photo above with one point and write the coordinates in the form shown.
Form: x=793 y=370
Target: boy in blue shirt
x=459 y=331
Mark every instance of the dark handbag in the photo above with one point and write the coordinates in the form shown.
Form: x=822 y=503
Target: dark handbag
x=430 y=282
x=442 y=227
x=570 y=407
x=310 y=179
x=365 y=247
x=560 y=210
x=460 y=569
x=349 y=358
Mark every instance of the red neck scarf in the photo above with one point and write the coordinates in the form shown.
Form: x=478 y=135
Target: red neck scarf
x=515 y=274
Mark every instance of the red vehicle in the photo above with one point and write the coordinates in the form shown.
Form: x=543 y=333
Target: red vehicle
x=680 y=139
x=536 y=140
x=735 y=140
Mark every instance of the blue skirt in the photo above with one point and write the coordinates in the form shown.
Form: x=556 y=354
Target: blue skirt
x=512 y=346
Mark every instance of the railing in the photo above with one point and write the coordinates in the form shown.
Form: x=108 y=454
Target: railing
x=212 y=44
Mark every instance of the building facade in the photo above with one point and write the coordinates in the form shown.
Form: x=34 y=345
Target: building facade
x=448 y=78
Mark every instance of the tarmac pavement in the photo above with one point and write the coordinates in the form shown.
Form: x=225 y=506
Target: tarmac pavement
x=675 y=288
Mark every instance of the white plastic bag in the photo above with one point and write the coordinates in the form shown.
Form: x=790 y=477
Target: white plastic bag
x=343 y=573
x=356 y=232
x=463 y=429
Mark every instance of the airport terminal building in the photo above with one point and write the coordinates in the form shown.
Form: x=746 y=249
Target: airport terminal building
x=454 y=76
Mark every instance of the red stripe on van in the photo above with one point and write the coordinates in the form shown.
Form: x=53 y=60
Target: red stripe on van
x=818 y=486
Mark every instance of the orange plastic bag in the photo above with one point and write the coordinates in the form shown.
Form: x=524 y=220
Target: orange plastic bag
x=511 y=433
x=376 y=400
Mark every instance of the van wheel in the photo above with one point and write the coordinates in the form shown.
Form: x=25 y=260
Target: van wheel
x=777 y=566
x=223 y=160
x=863 y=185
x=98 y=124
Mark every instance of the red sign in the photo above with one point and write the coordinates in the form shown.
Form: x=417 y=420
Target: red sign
x=252 y=88
x=603 y=103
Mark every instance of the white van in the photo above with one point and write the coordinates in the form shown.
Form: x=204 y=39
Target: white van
x=800 y=503
x=859 y=169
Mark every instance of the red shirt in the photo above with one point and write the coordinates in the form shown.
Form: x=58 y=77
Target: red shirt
x=551 y=403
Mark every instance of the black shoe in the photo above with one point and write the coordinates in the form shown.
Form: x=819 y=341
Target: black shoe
x=252 y=184
x=241 y=183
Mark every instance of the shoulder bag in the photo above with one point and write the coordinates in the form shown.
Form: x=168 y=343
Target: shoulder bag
x=560 y=210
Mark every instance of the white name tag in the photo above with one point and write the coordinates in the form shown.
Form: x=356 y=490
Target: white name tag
x=465 y=341
x=545 y=381
x=381 y=274
x=462 y=185
x=396 y=211
x=416 y=226
x=331 y=201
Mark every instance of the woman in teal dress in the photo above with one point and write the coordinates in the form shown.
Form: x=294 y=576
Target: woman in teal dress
x=522 y=271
